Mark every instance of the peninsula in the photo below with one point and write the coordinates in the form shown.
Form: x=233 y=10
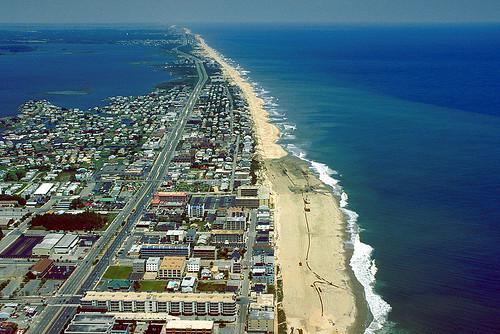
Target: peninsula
x=171 y=211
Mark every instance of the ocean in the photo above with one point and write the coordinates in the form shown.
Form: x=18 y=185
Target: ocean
x=406 y=121
x=403 y=119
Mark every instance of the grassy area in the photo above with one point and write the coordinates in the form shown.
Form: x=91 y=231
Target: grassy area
x=153 y=285
x=211 y=286
x=282 y=327
x=117 y=272
x=110 y=217
x=65 y=176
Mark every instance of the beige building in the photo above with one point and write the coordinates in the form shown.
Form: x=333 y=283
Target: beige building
x=200 y=304
x=260 y=322
x=188 y=327
x=172 y=267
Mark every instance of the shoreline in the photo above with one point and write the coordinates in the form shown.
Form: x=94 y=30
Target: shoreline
x=311 y=218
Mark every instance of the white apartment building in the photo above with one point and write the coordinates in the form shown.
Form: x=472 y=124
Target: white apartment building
x=153 y=264
x=193 y=265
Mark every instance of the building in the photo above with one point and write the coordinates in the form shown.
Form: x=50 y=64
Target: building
x=66 y=244
x=91 y=323
x=263 y=302
x=235 y=223
x=188 y=283
x=138 y=265
x=190 y=235
x=188 y=327
x=193 y=265
x=172 y=267
x=42 y=191
x=167 y=199
x=161 y=250
x=260 y=322
x=199 y=304
x=201 y=204
x=175 y=236
x=252 y=197
x=248 y=191
x=42 y=267
x=45 y=247
x=205 y=252
x=228 y=237
x=153 y=264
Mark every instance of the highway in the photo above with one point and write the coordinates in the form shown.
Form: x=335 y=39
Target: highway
x=54 y=317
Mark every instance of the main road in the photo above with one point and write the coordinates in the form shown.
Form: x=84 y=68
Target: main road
x=54 y=317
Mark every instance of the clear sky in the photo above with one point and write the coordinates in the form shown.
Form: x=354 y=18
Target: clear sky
x=248 y=11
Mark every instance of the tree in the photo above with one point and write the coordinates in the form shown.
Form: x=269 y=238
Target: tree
x=84 y=221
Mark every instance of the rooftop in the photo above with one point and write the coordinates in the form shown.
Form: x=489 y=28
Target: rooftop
x=158 y=296
x=172 y=262
x=189 y=324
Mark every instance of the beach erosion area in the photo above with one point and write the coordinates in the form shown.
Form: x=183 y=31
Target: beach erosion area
x=320 y=292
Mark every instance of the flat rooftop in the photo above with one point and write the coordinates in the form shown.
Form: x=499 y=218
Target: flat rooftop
x=189 y=324
x=158 y=296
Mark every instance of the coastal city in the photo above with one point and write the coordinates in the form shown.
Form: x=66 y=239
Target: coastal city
x=249 y=167
x=148 y=214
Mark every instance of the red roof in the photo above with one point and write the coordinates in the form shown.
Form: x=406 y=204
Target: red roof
x=42 y=266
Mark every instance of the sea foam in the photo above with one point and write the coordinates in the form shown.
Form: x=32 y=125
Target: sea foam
x=361 y=261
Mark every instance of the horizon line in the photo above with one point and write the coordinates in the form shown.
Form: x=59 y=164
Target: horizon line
x=284 y=23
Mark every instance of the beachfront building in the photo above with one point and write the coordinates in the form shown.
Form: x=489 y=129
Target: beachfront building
x=260 y=322
x=199 y=304
x=252 y=197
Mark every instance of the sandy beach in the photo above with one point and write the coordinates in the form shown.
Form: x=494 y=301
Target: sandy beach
x=310 y=231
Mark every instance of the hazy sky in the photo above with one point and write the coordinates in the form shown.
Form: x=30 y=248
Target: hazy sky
x=279 y=11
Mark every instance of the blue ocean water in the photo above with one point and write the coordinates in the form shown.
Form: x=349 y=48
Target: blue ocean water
x=75 y=67
x=409 y=117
